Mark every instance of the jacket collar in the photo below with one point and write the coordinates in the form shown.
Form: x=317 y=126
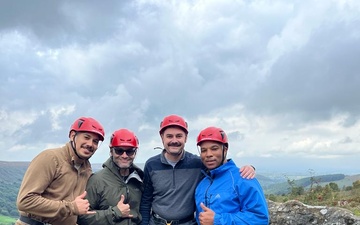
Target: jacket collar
x=135 y=171
x=73 y=159
x=219 y=170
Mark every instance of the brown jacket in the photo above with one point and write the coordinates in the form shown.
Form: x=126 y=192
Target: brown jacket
x=49 y=186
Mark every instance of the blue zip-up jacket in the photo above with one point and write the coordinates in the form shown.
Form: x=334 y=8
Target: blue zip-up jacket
x=169 y=191
x=234 y=200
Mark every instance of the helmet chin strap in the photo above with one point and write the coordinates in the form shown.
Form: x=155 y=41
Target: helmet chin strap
x=73 y=145
x=223 y=155
x=222 y=158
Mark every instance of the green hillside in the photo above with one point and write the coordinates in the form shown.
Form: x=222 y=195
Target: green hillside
x=284 y=187
x=11 y=174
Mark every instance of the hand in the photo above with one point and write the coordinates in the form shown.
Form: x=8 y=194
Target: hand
x=124 y=208
x=206 y=217
x=83 y=204
x=247 y=172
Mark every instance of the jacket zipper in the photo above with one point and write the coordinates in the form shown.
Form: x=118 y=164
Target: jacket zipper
x=207 y=200
x=126 y=201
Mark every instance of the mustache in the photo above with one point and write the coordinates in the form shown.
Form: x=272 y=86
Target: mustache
x=175 y=144
x=89 y=148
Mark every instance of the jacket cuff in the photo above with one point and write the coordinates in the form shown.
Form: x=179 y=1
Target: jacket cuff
x=72 y=207
x=116 y=213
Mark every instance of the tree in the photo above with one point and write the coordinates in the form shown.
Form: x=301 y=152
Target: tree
x=294 y=189
x=334 y=186
x=356 y=184
x=327 y=192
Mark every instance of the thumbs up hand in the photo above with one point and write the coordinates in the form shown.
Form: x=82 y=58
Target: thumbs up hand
x=124 y=208
x=83 y=204
x=206 y=217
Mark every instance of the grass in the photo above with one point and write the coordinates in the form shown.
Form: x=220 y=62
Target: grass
x=5 y=220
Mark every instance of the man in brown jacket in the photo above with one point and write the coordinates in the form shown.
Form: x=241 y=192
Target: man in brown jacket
x=53 y=187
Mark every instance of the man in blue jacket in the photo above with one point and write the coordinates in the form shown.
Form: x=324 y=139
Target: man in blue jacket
x=223 y=196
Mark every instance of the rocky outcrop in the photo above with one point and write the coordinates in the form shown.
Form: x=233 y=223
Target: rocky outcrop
x=296 y=213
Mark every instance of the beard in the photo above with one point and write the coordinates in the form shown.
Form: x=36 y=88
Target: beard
x=122 y=164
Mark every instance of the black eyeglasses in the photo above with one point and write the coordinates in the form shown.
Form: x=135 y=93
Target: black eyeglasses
x=120 y=151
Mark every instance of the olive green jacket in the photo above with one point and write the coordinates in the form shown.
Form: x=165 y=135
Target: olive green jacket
x=104 y=189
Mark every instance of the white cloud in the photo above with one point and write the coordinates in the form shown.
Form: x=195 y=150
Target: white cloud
x=13 y=121
x=57 y=112
x=280 y=78
x=13 y=43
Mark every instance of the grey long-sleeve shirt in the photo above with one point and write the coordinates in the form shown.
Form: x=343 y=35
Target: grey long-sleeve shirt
x=169 y=191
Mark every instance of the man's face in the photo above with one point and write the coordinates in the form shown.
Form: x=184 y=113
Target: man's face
x=123 y=157
x=174 y=140
x=86 y=143
x=211 y=154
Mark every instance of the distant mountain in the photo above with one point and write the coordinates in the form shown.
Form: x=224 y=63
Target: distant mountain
x=283 y=188
x=12 y=171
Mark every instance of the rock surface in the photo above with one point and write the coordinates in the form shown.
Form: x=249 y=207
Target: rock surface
x=295 y=213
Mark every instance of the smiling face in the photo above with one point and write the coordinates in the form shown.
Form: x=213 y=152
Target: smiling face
x=123 y=157
x=174 y=139
x=211 y=154
x=86 y=143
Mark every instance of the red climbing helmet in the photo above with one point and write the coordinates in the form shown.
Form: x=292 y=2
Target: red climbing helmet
x=88 y=124
x=123 y=138
x=173 y=120
x=212 y=134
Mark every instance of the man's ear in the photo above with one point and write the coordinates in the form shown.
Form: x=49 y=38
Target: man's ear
x=72 y=135
x=162 y=137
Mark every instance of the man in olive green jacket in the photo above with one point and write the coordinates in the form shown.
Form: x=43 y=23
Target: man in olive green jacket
x=114 y=192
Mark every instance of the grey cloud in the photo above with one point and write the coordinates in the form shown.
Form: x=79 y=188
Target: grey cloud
x=60 y=22
x=317 y=79
x=346 y=140
x=236 y=136
x=350 y=121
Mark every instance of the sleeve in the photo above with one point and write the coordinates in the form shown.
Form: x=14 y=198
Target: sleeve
x=253 y=206
x=42 y=171
x=147 y=197
x=104 y=217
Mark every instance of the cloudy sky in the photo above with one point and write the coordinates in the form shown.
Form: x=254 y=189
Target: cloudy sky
x=280 y=77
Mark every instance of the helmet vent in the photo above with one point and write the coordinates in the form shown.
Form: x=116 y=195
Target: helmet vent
x=222 y=133
x=80 y=122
